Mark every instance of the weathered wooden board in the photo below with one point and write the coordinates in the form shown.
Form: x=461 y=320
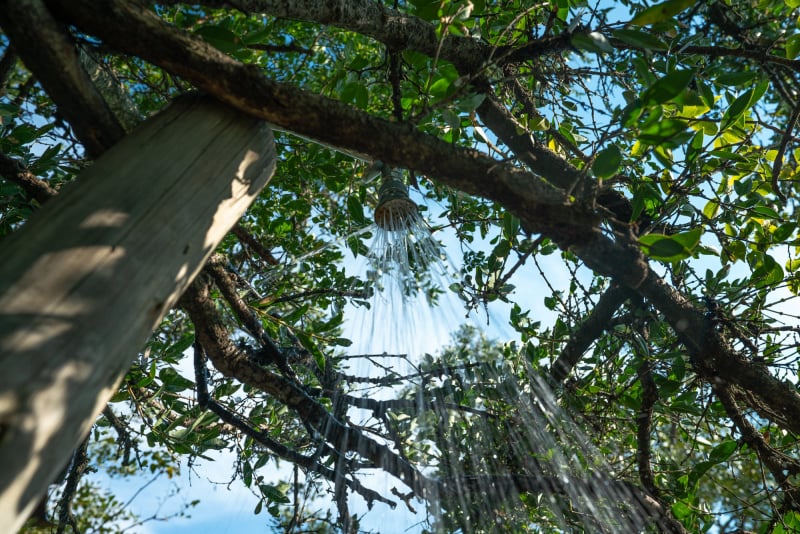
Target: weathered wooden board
x=85 y=281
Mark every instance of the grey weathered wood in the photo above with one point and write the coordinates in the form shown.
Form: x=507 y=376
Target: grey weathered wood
x=85 y=281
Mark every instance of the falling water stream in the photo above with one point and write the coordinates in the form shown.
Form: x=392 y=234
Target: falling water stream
x=530 y=451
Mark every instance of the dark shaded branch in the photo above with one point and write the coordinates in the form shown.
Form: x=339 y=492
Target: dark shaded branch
x=125 y=442
x=269 y=351
x=755 y=54
x=78 y=466
x=14 y=171
x=228 y=359
x=589 y=330
x=644 y=422
x=412 y=406
x=247 y=239
x=55 y=63
x=278 y=49
x=778 y=163
x=7 y=63
x=205 y=401
x=780 y=465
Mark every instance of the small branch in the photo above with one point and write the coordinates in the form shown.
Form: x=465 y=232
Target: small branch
x=644 y=421
x=412 y=406
x=125 y=443
x=778 y=163
x=590 y=329
x=78 y=466
x=14 y=171
x=205 y=401
x=719 y=51
x=279 y=49
x=780 y=465
x=246 y=238
x=269 y=351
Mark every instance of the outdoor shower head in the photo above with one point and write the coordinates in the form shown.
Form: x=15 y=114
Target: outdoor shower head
x=395 y=209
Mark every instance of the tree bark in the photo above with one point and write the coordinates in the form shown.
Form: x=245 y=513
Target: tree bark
x=85 y=281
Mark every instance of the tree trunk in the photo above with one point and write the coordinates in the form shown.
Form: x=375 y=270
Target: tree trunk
x=89 y=277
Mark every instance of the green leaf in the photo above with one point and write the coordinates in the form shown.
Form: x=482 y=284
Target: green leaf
x=311 y=347
x=711 y=208
x=668 y=87
x=355 y=93
x=792 y=46
x=661 y=247
x=742 y=104
x=8 y=110
x=342 y=342
x=671 y=248
x=789 y=524
x=736 y=79
x=660 y=131
x=356 y=209
x=689 y=239
x=681 y=510
x=511 y=226
x=220 y=38
x=723 y=451
x=792 y=265
x=273 y=493
x=607 y=162
x=736 y=109
x=764 y=212
x=640 y=39
x=768 y=274
x=661 y=12
x=173 y=381
x=427 y=9
x=697 y=472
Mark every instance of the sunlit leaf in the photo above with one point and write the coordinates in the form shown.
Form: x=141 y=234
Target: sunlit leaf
x=661 y=12
x=607 y=162
x=710 y=209
x=668 y=87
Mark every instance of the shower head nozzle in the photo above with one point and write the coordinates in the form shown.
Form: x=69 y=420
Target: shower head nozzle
x=395 y=208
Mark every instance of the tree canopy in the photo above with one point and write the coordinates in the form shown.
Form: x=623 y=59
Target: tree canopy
x=646 y=152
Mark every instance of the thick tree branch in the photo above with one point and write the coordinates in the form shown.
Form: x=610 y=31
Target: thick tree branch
x=78 y=466
x=142 y=33
x=248 y=318
x=55 y=63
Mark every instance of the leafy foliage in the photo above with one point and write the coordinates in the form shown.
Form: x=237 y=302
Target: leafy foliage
x=681 y=118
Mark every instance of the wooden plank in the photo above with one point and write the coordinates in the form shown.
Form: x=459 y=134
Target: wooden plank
x=87 y=279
